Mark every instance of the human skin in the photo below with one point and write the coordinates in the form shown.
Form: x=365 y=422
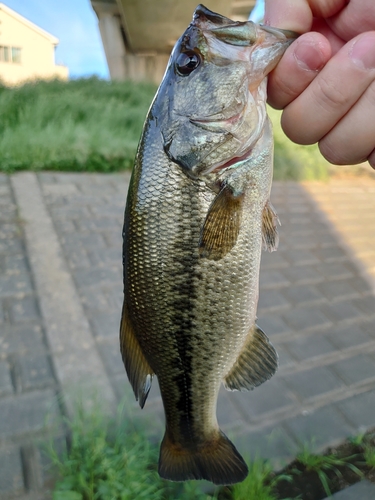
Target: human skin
x=325 y=82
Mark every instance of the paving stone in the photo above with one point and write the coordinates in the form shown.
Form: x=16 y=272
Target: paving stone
x=335 y=270
x=74 y=240
x=361 y=285
x=302 y=274
x=363 y=490
x=369 y=328
x=285 y=357
x=102 y=257
x=94 y=299
x=6 y=386
x=271 y=299
x=269 y=397
x=301 y=257
x=273 y=260
x=319 y=428
x=269 y=444
x=304 y=317
x=22 y=338
x=13 y=283
x=340 y=311
x=35 y=371
x=337 y=289
x=2 y=313
x=24 y=309
x=27 y=413
x=356 y=369
x=9 y=244
x=310 y=346
x=359 y=410
x=313 y=382
x=78 y=258
x=111 y=356
x=272 y=279
x=16 y=264
x=228 y=414
x=348 y=336
x=93 y=277
x=106 y=324
x=330 y=254
x=366 y=304
x=115 y=295
x=32 y=467
x=11 y=474
x=299 y=294
x=272 y=324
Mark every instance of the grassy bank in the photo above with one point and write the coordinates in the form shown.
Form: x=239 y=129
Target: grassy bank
x=82 y=125
x=91 y=125
x=116 y=461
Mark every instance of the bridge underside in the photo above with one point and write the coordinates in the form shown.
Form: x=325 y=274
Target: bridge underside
x=138 y=35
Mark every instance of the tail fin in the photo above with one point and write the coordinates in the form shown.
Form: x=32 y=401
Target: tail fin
x=216 y=460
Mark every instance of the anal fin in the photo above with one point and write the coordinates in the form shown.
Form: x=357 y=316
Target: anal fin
x=257 y=362
x=270 y=235
x=137 y=368
x=222 y=225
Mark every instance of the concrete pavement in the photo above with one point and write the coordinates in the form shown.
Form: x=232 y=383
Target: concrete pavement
x=60 y=304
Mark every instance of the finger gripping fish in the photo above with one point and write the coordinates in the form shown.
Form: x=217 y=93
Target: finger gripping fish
x=196 y=215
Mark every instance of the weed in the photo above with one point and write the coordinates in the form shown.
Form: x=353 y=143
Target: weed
x=369 y=455
x=105 y=461
x=259 y=483
x=322 y=464
x=80 y=125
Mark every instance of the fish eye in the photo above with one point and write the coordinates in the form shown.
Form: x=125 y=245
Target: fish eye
x=187 y=62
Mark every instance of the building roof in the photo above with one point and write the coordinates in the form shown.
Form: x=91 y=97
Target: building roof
x=29 y=24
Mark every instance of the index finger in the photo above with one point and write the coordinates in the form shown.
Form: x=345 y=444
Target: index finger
x=297 y=15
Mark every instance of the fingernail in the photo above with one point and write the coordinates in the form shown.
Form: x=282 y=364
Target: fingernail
x=363 y=52
x=308 y=55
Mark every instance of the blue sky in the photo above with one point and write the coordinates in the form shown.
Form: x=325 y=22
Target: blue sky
x=75 y=24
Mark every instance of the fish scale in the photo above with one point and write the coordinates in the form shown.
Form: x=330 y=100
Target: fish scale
x=194 y=224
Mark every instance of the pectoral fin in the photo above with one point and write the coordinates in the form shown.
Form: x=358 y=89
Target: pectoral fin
x=137 y=368
x=270 y=235
x=257 y=362
x=222 y=225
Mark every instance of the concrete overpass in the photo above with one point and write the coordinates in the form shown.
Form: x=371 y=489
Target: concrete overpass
x=138 y=35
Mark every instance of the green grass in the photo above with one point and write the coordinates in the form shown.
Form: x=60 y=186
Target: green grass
x=259 y=484
x=91 y=125
x=321 y=464
x=112 y=461
x=80 y=125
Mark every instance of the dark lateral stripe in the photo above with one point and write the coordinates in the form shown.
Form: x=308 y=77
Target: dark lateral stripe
x=185 y=294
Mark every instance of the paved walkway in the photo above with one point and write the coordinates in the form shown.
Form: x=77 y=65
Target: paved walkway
x=61 y=297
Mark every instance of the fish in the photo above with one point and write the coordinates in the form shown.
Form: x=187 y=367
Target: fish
x=196 y=218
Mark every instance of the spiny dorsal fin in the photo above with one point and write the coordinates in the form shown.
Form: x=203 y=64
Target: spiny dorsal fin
x=222 y=225
x=257 y=362
x=270 y=235
x=137 y=368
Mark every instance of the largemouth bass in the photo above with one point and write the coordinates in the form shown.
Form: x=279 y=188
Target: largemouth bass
x=196 y=215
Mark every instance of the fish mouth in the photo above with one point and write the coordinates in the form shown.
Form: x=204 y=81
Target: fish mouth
x=218 y=123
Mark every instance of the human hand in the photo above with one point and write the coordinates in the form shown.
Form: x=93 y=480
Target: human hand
x=325 y=81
